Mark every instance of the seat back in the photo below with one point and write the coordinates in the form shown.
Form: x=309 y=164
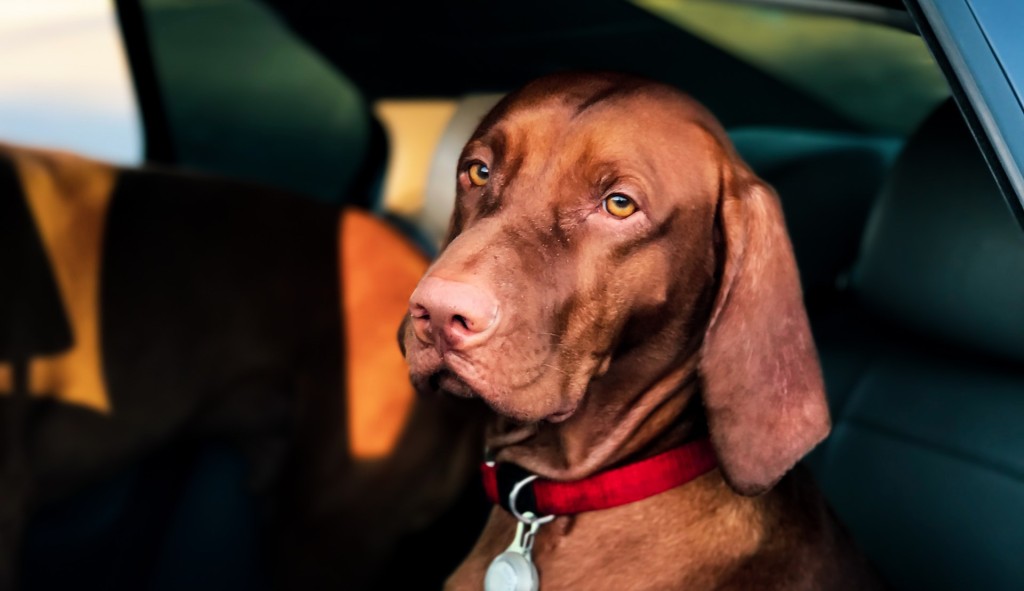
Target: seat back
x=825 y=218
x=203 y=347
x=246 y=98
x=924 y=362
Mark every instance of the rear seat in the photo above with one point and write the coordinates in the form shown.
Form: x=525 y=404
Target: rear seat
x=827 y=182
x=246 y=98
x=923 y=356
x=178 y=326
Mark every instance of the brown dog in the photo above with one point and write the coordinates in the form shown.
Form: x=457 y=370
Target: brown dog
x=616 y=283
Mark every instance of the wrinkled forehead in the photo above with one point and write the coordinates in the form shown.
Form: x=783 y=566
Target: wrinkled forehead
x=583 y=94
x=646 y=130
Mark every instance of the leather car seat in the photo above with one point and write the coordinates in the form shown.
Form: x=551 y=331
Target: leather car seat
x=245 y=97
x=827 y=182
x=923 y=356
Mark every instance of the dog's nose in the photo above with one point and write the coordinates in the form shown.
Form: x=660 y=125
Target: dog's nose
x=452 y=314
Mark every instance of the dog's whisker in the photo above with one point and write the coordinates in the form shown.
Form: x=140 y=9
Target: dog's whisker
x=558 y=369
x=558 y=338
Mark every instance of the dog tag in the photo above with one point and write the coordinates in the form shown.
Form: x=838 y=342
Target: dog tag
x=513 y=569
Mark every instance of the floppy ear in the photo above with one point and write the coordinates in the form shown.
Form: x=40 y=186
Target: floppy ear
x=762 y=386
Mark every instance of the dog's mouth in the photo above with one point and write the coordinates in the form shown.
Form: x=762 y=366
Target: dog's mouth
x=561 y=416
x=524 y=386
x=447 y=380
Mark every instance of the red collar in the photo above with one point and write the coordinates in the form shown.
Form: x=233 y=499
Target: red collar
x=611 y=488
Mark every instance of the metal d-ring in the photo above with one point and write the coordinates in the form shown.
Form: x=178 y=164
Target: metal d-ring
x=528 y=518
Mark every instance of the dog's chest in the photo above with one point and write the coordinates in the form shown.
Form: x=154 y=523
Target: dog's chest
x=624 y=550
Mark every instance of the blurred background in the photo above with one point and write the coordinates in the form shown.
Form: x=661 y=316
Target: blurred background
x=65 y=82
x=212 y=213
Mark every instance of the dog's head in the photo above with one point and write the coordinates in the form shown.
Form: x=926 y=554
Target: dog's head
x=605 y=229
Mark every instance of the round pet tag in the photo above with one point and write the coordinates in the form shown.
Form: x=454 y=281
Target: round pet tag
x=511 y=571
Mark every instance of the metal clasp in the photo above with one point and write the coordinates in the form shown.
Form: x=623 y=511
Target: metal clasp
x=528 y=518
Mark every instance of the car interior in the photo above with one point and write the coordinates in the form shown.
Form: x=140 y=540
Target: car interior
x=266 y=114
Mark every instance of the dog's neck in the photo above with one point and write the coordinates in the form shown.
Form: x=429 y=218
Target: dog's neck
x=621 y=418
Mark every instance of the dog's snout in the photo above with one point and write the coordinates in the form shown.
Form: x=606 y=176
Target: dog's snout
x=452 y=314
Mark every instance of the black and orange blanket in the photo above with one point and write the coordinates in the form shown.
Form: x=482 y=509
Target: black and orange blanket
x=142 y=308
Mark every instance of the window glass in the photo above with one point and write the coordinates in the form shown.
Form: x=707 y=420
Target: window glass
x=881 y=77
x=64 y=80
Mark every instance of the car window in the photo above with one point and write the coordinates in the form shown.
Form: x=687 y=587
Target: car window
x=978 y=47
x=64 y=79
x=881 y=77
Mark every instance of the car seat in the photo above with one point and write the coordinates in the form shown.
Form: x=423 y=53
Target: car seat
x=923 y=355
x=184 y=516
x=232 y=91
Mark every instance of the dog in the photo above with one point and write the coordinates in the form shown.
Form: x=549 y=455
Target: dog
x=619 y=288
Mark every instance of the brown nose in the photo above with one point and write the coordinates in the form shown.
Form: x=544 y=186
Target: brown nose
x=452 y=314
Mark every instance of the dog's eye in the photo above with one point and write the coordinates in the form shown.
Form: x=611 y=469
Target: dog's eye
x=619 y=205
x=479 y=173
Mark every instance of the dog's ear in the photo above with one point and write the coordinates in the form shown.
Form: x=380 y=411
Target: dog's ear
x=762 y=386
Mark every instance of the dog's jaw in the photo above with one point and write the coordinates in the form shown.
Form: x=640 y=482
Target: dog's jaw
x=616 y=420
x=437 y=372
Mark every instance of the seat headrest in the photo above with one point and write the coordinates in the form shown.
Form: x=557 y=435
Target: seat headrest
x=942 y=253
x=439 y=195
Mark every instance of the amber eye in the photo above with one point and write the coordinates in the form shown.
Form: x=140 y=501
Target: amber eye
x=479 y=173
x=619 y=205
